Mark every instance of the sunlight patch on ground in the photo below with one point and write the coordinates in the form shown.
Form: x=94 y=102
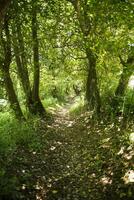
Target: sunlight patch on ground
x=52 y=148
x=70 y=124
x=106 y=143
x=121 y=151
x=131 y=137
x=129 y=177
x=106 y=180
x=129 y=156
x=41 y=190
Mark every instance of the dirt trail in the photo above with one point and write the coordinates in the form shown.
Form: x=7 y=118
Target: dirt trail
x=93 y=159
x=62 y=119
x=79 y=160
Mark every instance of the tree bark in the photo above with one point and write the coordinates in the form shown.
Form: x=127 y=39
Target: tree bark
x=35 y=91
x=21 y=64
x=128 y=68
x=4 y=4
x=13 y=100
x=12 y=97
x=92 y=90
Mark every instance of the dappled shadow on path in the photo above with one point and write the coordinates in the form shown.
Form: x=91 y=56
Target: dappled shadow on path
x=77 y=160
x=99 y=164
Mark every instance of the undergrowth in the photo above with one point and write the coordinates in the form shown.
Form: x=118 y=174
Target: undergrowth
x=13 y=136
x=77 y=107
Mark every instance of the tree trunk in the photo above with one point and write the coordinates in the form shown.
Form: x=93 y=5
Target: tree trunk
x=92 y=90
x=12 y=97
x=21 y=62
x=38 y=104
x=127 y=72
x=6 y=75
x=22 y=66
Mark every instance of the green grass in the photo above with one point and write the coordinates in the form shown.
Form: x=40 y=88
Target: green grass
x=14 y=137
x=78 y=107
x=14 y=132
x=50 y=102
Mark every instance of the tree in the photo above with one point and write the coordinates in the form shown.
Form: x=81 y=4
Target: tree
x=35 y=91
x=85 y=22
x=33 y=102
x=20 y=57
x=68 y=41
x=5 y=66
x=128 y=68
x=21 y=64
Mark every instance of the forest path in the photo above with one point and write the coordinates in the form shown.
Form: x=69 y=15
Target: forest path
x=62 y=115
x=62 y=118
x=88 y=160
x=78 y=159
